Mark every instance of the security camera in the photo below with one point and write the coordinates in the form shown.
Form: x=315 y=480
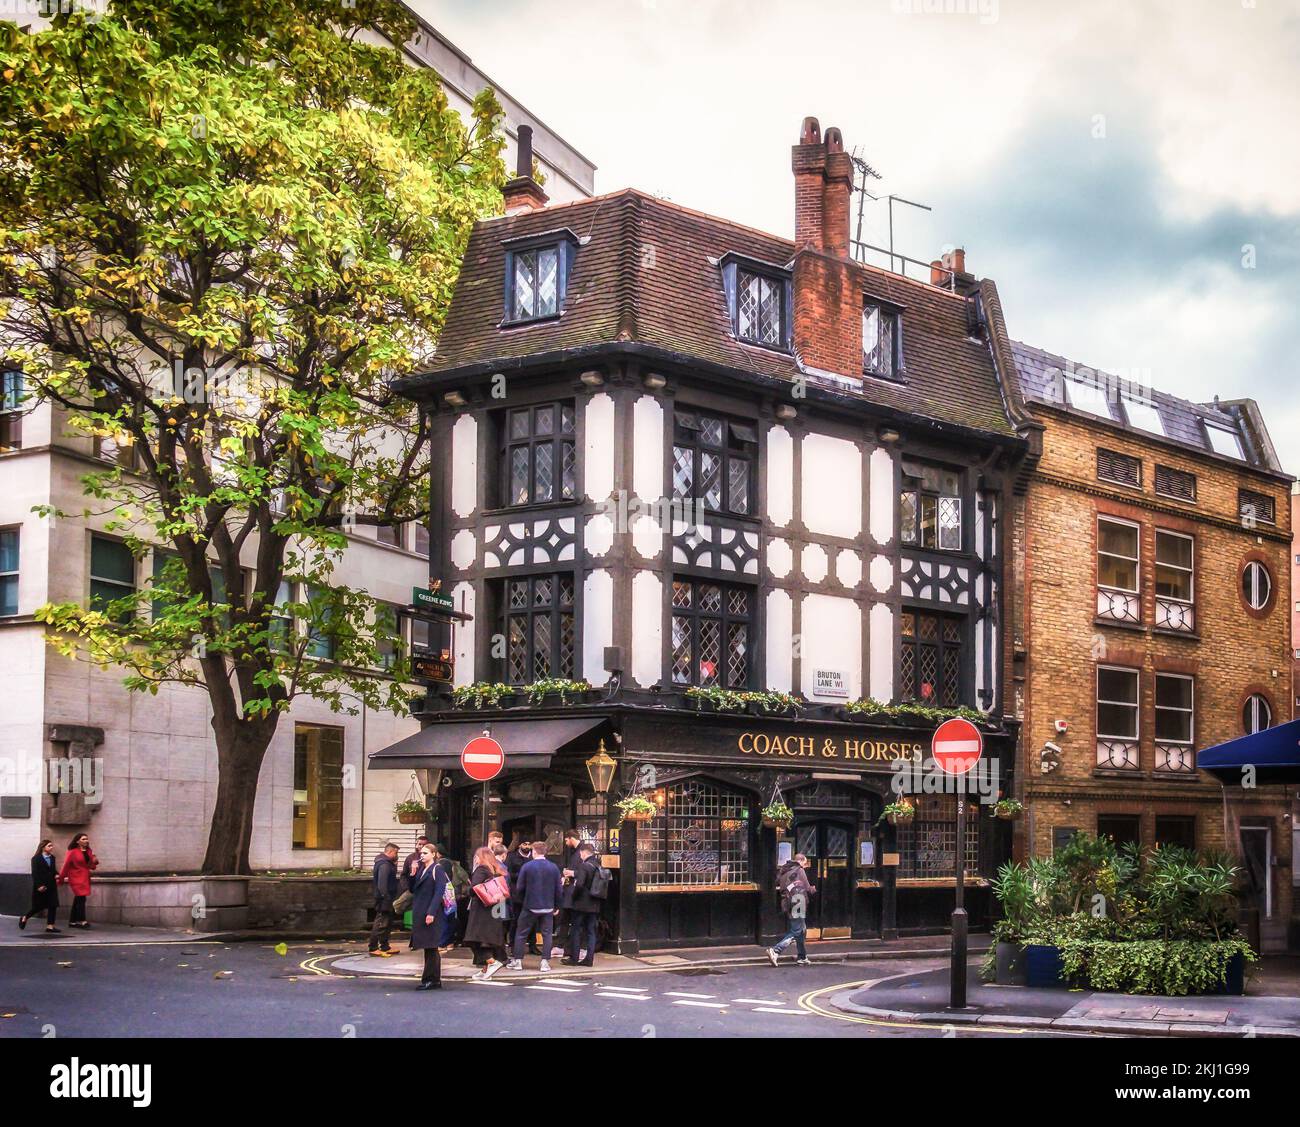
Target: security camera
x=1050 y=757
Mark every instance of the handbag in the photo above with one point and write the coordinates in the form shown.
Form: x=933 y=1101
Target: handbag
x=402 y=901
x=448 y=899
x=492 y=891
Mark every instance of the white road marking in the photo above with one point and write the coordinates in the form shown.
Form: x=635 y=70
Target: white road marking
x=488 y=982
x=683 y=994
x=758 y=1001
x=707 y=1005
x=559 y=989
x=776 y=1010
x=625 y=997
x=565 y=981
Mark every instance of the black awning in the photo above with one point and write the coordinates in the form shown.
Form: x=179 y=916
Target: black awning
x=527 y=743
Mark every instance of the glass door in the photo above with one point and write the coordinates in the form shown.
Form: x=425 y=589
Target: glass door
x=828 y=845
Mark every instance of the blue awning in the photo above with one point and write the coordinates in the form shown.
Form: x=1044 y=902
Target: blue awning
x=1274 y=753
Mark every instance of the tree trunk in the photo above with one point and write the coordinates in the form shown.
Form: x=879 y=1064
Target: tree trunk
x=240 y=751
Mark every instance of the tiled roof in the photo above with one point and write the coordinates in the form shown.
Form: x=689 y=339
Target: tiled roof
x=1182 y=422
x=647 y=271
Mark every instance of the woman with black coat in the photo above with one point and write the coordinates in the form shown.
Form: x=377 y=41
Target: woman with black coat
x=45 y=887
x=485 y=930
x=431 y=927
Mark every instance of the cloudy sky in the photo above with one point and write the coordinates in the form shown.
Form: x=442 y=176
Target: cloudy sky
x=1127 y=171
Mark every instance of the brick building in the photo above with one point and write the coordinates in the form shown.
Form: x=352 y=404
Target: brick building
x=1155 y=540
x=1295 y=606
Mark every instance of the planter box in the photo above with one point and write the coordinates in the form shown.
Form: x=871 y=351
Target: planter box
x=1044 y=967
x=1012 y=968
x=1234 y=977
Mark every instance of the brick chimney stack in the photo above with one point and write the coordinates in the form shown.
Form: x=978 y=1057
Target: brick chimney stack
x=523 y=193
x=827 y=289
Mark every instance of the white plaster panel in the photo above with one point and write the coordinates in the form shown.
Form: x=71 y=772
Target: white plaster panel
x=813 y=563
x=882 y=652
x=779 y=558
x=463 y=596
x=882 y=574
x=464 y=465
x=848 y=568
x=780 y=476
x=648 y=448
x=831 y=638
x=599 y=535
x=647 y=628
x=780 y=641
x=832 y=486
x=463 y=549
x=598 y=473
x=597 y=624
x=647 y=536
x=882 y=496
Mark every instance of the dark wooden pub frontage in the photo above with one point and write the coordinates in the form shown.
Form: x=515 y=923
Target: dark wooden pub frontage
x=743 y=499
x=703 y=870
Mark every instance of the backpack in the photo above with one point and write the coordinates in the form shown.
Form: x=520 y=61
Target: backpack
x=598 y=887
x=459 y=880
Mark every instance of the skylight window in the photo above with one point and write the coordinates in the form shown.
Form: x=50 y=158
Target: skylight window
x=1143 y=415
x=1224 y=441
x=1087 y=397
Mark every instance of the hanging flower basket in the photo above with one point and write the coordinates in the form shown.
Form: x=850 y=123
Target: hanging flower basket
x=1008 y=808
x=637 y=808
x=898 y=813
x=411 y=813
x=639 y=816
x=777 y=816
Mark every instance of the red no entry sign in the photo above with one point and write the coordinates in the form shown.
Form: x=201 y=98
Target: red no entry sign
x=957 y=746
x=482 y=759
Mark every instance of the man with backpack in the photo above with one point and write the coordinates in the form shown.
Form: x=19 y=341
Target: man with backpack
x=792 y=883
x=590 y=888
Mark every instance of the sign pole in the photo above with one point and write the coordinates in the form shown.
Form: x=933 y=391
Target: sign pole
x=482 y=836
x=957 y=979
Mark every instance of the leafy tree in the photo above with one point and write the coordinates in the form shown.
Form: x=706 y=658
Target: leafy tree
x=225 y=225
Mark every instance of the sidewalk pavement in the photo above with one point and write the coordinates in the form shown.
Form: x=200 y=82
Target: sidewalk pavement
x=922 y=997
x=457 y=963
x=96 y=934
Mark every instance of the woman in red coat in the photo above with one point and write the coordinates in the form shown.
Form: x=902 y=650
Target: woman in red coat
x=77 y=865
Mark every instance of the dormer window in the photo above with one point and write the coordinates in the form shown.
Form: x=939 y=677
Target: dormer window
x=537 y=272
x=880 y=341
x=759 y=303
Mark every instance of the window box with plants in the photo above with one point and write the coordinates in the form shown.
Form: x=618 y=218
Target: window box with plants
x=557 y=691
x=482 y=694
x=411 y=812
x=1120 y=919
x=898 y=813
x=777 y=816
x=769 y=703
x=713 y=698
x=907 y=714
x=637 y=808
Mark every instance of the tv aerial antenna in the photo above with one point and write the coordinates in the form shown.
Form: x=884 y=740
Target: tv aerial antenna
x=864 y=173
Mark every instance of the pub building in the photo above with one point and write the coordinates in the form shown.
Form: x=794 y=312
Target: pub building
x=673 y=454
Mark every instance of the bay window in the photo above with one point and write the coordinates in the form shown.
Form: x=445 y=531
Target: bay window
x=713 y=462
x=538 y=624
x=539 y=455
x=929 y=507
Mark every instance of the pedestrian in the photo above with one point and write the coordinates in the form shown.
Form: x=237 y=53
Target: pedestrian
x=540 y=888
x=584 y=910
x=516 y=859
x=45 y=887
x=385 y=887
x=430 y=923
x=485 y=930
x=460 y=885
x=792 y=883
x=568 y=862
x=411 y=866
x=78 y=863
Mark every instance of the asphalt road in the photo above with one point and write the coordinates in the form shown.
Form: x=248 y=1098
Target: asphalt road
x=201 y=989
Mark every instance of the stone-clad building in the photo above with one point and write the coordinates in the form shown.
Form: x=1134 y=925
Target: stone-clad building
x=1156 y=545
x=678 y=455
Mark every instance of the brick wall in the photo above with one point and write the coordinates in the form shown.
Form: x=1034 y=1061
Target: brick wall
x=1233 y=652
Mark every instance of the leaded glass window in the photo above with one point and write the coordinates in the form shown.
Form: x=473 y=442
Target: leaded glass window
x=930 y=659
x=760 y=312
x=699 y=837
x=930 y=507
x=539 y=461
x=712 y=627
x=927 y=846
x=713 y=461
x=879 y=341
x=535 y=283
x=538 y=620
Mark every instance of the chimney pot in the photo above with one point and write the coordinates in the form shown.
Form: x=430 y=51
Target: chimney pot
x=524 y=165
x=938 y=275
x=523 y=193
x=834 y=140
x=811 y=133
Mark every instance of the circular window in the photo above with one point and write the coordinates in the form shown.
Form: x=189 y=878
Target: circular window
x=1256 y=714
x=1256 y=585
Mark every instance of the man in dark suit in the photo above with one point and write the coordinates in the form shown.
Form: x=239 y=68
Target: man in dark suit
x=385 y=886
x=584 y=910
x=516 y=859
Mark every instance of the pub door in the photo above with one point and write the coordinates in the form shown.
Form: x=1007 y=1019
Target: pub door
x=828 y=845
